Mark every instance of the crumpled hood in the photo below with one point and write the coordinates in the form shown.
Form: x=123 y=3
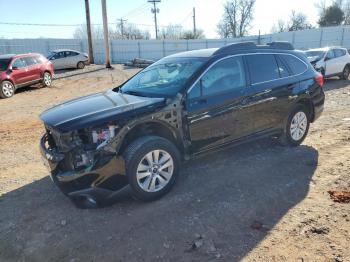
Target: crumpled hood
x=97 y=109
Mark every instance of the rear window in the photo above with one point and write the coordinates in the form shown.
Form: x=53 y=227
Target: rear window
x=4 y=64
x=262 y=68
x=295 y=64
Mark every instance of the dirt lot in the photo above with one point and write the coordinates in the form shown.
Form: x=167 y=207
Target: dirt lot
x=255 y=202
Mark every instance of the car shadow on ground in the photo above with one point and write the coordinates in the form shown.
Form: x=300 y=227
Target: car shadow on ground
x=335 y=83
x=223 y=205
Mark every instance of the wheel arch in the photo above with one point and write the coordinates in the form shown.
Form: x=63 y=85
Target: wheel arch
x=154 y=128
x=307 y=103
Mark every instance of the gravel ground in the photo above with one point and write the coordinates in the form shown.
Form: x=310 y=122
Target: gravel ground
x=254 y=202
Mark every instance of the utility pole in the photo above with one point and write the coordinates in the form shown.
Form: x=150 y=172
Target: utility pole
x=88 y=30
x=105 y=33
x=155 y=10
x=194 y=23
x=122 y=26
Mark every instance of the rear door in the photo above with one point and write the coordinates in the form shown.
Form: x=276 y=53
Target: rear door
x=214 y=105
x=72 y=58
x=341 y=59
x=271 y=80
x=33 y=68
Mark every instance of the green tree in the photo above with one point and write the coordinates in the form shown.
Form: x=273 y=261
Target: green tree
x=332 y=15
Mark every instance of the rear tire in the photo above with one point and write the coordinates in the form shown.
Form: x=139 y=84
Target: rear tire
x=297 y=127
x=346 y=73
x=81 y=65
x=7 y=89
x=152 y=165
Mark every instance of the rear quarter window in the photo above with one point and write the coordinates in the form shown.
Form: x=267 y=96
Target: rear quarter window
x=295 y=64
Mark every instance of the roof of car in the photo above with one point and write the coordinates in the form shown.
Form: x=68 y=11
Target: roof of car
x=11 y=56
x=237 y=48
x=62 y=50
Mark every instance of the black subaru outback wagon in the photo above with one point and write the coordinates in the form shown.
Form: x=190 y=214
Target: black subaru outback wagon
x=182 y=105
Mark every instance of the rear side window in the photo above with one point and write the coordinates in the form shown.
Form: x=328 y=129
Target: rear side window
x=70 y=53
x=339 y=52
x=29 y=60
x=296 y=65
x=262 y=68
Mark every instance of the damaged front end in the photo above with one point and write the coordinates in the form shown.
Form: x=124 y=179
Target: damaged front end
x=83 y=164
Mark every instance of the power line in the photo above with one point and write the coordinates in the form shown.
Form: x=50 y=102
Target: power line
x=136 y=10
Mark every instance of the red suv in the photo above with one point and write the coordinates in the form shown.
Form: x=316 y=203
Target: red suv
x=23 y=70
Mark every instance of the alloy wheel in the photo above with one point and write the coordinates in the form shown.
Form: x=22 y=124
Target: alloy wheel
x=8 y=89
x=298 y=126
x=155 y=170
x=47 y=79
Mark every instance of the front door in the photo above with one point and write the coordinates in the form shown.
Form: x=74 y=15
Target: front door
x=217 y=108
x=19 y=71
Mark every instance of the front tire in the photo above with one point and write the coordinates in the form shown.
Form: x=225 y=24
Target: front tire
x=47 y=79
x=346 y=73
x=152 y=165
x=297 y=127
x=7 y=89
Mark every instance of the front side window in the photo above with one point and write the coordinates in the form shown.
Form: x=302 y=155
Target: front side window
x=19 y=63
x=295 y=64
x=164 y=78
x=330 y=54
x=226 y=75
x=262 y=68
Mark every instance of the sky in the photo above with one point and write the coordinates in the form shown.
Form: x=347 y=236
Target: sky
x=208 y=14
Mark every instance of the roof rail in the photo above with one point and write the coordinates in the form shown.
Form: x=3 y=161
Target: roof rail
x=284 y=45
x=251 y=45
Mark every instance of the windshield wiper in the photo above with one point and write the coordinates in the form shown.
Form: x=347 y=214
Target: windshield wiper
x=134 y=93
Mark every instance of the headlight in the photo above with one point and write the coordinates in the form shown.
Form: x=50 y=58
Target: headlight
x=100 y=135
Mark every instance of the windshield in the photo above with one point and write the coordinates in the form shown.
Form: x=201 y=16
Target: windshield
x=4 y=64
x=316 y=54
x=164 y=78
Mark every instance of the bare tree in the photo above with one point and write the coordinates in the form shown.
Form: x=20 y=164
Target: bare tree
x=298 y=21
x=172 y=31
x=80 y=32
x=237 y=18
x=281 y=26
x=189 y=34
x=129 y=31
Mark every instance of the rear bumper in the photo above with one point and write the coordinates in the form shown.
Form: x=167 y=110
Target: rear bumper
x=318 y=102
x=92 y=186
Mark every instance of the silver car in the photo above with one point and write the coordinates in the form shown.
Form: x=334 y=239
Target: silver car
x=65 y=58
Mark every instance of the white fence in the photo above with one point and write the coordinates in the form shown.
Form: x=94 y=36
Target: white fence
x=125 y=50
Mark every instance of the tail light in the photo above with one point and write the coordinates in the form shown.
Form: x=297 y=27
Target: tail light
x=319 y=79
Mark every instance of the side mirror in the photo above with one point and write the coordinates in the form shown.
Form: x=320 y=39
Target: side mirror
x=327 y=58
x=14 y=68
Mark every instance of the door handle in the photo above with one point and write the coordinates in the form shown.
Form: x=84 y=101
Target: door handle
x=200 y=101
